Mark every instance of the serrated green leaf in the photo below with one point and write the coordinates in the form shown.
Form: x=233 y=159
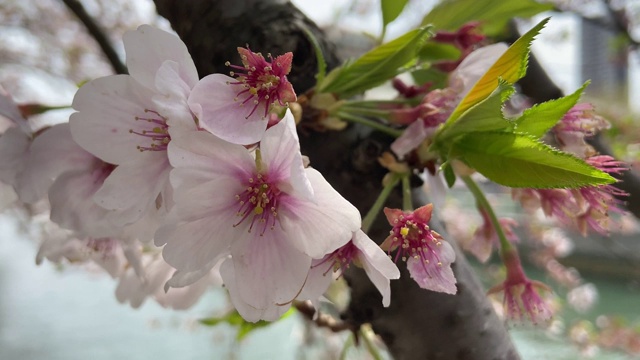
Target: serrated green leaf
x=510 y=67
x=484 y=116
x=376 y=66
x=519 y=160
x=391 y=9
x=537 y=120
x=492 y=14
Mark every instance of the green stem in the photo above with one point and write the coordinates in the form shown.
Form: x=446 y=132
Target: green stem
x=360 y=110
x=370 y=123
x=407 y=203
x=482 y=202
x=347 y=345
x=367 y=333
x=377 y=206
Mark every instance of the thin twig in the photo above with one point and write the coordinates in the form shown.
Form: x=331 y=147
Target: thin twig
x=322 y=320
x=98 y=34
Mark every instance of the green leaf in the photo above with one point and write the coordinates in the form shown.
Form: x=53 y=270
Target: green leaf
x=449 y=174
x=484 y=116
x=376 y=66
x=492 y=14
x=432 y=51
x=519 y=160
x=537 y=120
x=391 y=9
x=244 y=327
x=437 y=78
x=510 y=67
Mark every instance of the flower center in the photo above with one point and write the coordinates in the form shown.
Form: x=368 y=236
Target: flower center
x=259 y=203
x=155 y=134
x=416 y=240
x=340 y=259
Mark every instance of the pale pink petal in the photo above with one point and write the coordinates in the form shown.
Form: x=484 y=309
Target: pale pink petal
x=281 y=151
x=107 y=108
x=14 y=144
x=133 y=187
x=52 y=153
x=377 y=265
x=319 y=228
x=148 y=47
x=268 y=270
x=431 y=276
x=318 y=280
x=410 y=139
x=173 y=94
x=204 y=156
x=9 y=109
x=196 y=245
x=474 y=66
x=214 y=102
x=72 y=206
x=271 y=313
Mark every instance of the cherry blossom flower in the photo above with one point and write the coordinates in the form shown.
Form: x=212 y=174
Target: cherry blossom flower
x=428 y=256
x=521 y=297
x=578 y=123
x=134 y=288
x=239 y=111
x=485 y=237
x=127 y=120
x=365 y=253
x=438 y=104
x=269 y=212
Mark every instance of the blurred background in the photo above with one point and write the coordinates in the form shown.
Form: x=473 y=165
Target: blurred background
x=66 y=312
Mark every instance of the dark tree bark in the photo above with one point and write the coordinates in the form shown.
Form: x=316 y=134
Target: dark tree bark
x=419 y=324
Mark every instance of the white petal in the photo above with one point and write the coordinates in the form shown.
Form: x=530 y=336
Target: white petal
x=206 y=156
x=172 y=96
x=213 y=100
x=280 y=150
x=72 y=206
x=319 y=229
x=377 y=264
x=268 y=270
x=148 y=47
x=52 y=153
x=195 y=246
x=107 y=108
x=14 y=144
x=132 y=188
x=318 y=281
x=271 y=313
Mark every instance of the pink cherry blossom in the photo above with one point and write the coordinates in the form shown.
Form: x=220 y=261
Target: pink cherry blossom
x=428 y=256
x=365 y=253
x=485 y=237
x=521 y=295
x=239 y=111
x=263 y=207
x=437 y=105
x=134 y=288
x=127 y=120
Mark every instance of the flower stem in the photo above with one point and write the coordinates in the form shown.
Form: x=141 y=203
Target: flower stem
x=370 y=123
x=345 y=348
x=482 y=202
x=360 y=110
x=407 y=204
x=367 y=335
x=377 y=206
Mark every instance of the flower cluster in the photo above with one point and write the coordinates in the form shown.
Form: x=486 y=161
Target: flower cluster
x=587 y=207
x=168 y=181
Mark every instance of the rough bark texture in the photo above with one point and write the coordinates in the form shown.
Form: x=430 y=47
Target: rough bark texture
x=419 y=324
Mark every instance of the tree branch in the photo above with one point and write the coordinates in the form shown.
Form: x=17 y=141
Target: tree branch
x=98 y=34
